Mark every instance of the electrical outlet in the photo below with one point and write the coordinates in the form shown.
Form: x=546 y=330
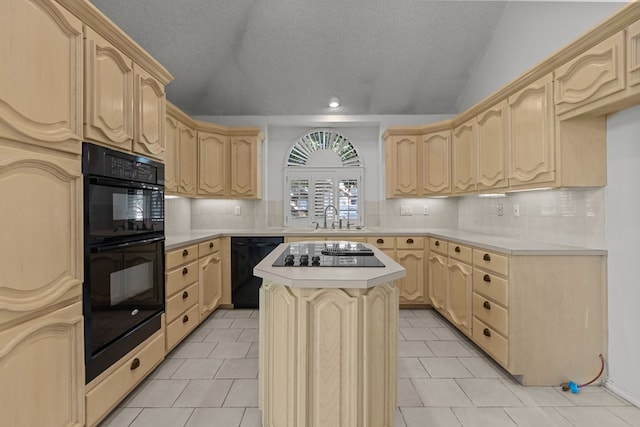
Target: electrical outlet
x=237 y=210
x=425 y=210
x=500 y=209
x=406 y=211
x=516 y=210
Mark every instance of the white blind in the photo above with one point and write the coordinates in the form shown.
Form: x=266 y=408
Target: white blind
x=323 y=196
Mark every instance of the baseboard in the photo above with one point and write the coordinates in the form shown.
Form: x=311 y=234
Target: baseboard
x=631 y=397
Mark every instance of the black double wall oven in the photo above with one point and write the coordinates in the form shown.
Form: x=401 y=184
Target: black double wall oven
x=123 y=290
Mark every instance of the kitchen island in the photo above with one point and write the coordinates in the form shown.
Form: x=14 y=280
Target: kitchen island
x=328 y=338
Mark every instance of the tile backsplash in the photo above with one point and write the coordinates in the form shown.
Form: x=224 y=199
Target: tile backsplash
x=569 y=216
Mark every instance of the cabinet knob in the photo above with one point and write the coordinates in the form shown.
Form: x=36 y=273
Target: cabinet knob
x=487 y=278
x=437 y=243
x=457 y=249
x=486 y=257
x=210 y=245
x=380 y=241
x=185 y=271
x=185 y=295
x=185 y=319
x=486 y=305
x=135 y=363
x=486 y=332
x=185 y=252
x=410 y=241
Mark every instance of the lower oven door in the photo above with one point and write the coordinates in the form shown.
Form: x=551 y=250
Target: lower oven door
x=124 y=298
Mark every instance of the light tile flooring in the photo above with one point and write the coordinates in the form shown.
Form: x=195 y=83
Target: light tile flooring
x=444 y=380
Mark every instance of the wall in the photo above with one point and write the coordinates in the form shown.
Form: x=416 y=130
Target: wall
x=623 y=235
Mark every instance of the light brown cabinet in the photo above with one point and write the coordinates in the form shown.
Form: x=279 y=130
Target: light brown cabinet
x=108 y=93
x=491 y=132
x=410 y=255
x=171 y=156
x=633 y=56
x=209 y=277
x=181 y=154
x=465 y=158
x=401 y=161
x=149 y=114
x=244 y=167
x=212 y=164
x=182 y=312
x=435 y=162
x=459 y=287
x=595 y=74
x=438 y=282
x=41 y=75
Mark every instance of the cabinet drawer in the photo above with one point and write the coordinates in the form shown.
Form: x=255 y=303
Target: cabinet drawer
x=491 y=341
x=463 y=253
x=181 y=256
x=491 y=286
x=491 y=261
x=438 y=245
x=409 y=242
x=180 y=278
x=491 y=313
x=181 y=301
x=382 y=242
x=209 y=247
x=106 y=395
x=181 y=327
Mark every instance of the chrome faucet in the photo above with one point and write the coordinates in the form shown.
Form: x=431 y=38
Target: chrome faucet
x=325 y=214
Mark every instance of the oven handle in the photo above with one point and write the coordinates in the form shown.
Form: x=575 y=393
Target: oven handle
x=135 y=243
x=121 y=183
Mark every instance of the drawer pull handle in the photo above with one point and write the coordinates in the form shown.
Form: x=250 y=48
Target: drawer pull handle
x=457 y=249
x=410 y=241
x=380 y=241
x=487 y=278
x=486 y=305
x=210 y=245
x=185 y=319
x=135 y=363
x=185 y=271
x=486 y=332
x=185 y=295
x=185 y=253
x=437 y=243
x=486 y=257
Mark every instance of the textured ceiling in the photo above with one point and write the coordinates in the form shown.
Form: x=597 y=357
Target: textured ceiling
x=288 y=57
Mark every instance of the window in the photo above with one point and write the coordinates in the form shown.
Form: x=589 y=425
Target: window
x=323 y=174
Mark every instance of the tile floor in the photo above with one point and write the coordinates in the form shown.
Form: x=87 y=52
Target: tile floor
x=444 y=381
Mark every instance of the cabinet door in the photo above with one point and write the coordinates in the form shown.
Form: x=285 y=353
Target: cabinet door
x=244 y=167
x=188 y=154
x=530 y=134
x=492 y=148
x=108 y=93
x=210 y=280
x=212 y=164
x=171 y=171
x=403 y=165
x=460 y=290
x=41 y=229
x=150 y=108
x=411 y=287
x=42 y=371
x=591 y=76
x=40 y=75
x=464 y=158
x=438 y=281
x=436 y=163
x=633 y=55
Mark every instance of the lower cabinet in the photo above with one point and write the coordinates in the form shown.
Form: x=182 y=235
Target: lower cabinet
x=210 y=277
x=42 y=373
x=460 y=287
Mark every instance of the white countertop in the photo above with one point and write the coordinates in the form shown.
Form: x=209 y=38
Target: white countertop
x=329 y=277
x=506 y=245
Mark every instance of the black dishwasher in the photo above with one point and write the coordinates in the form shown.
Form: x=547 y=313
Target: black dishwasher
x=246 y=253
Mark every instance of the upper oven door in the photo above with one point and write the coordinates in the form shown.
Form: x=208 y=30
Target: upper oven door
x=118 y=208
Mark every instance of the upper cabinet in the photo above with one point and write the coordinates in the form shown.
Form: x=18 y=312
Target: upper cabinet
x=188 y=160
x=212 y=164
x=435 y=163
x=40 y=75
x=633 y=56
x=172 y=138
x=464 y=158
x=530 y=133
x=595 y=74
x=402 y=172
x=108 y=93
x=491 y=130
x=244 y=165
x=149 y=102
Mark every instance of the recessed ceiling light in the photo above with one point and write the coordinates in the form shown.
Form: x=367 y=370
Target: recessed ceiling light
x=334 y=102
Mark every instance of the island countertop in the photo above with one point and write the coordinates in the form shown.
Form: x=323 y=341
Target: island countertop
x=329 y=277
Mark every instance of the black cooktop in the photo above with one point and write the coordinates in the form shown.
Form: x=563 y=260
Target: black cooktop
x=330 y=254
